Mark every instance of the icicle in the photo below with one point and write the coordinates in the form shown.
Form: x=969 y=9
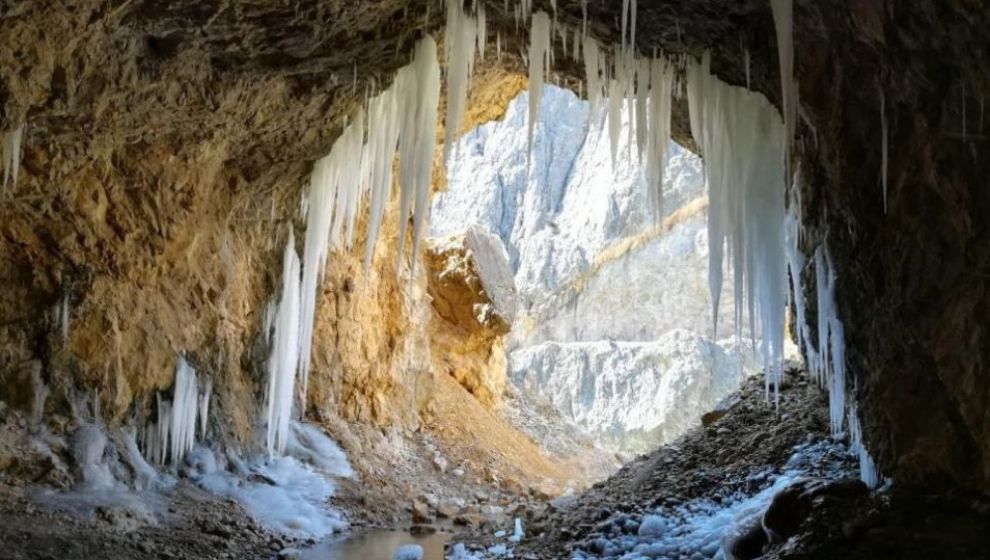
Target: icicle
x=539 y=47
x=181 y=434
x=614 y=118
x=661 y=77
x=632 y=26
x=584 y=18
x=459 y=45
x=746 y=62
x=741 y=137
x=883 y=147
x=482 y=31
x=285 y=353
x=498 y=46
x=64 y=316
x=783 y=18
x=642 y=96
x=592 y=75
x=204 y=406
x=418 y=141
x=576 y=47
x=625 y=23
x=11 y=162
x=868 y=472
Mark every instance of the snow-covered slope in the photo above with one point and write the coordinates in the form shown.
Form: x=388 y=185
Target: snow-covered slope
x=615 y=321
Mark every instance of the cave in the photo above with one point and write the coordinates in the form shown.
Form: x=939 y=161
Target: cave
x=243 y=314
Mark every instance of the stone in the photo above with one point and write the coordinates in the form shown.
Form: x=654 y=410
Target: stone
x=745 y=541
x=440 y=463
x=421 y=512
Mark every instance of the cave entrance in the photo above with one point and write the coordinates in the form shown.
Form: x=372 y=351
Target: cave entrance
x=612 y=341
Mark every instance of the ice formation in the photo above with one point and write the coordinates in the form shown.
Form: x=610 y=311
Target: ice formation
x=883 y=147
x=174 y=432
x=867 y=466
x=88 y=445
x=539 y=67
x=741 y=136
x=11 y=162
x=409 y=552
x=402 y=119
x=661 y=81
x=783 y=19
x=460 y=42
x=284 y=354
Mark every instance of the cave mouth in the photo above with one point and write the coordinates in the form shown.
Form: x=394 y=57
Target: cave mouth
x=613 y=326
x=226 y=331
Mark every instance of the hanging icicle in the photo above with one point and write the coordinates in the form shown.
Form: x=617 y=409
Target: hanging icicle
x=460 y=42
x=539 y=48
x=661 y=82
x=783 y=19
x=883 y=147
x=285 y=353
x=11 y=161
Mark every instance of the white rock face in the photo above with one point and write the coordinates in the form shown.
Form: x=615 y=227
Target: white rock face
x=571 y=204
x=615 y=320
x=631 y=395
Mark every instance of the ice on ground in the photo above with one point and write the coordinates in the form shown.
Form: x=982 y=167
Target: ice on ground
x=285 y=496
x=409 y=552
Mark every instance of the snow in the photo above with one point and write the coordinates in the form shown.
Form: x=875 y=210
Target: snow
x=284 y=354
x=409 y=552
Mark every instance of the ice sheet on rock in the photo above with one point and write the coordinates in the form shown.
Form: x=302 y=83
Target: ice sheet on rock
x=284 y=495
x=309 y=444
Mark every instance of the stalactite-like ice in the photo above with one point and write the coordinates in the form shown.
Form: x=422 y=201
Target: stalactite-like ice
x=539 y=49
x=460 y=41
x=593 y=69
x=868 y=472
x=883 y=147
x=11 y=162
x=285 y=353
x=661 y=82
x=783 y=19
x=184 y=407
x=174 y=433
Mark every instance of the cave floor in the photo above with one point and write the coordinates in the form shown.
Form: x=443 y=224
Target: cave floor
x=191 y=523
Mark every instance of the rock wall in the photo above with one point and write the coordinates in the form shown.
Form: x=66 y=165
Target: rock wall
x=474 y=299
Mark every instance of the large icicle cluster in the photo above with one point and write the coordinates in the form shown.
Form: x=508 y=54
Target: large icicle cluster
x=741 y=136
x=645 y=85
x=11 y=157
x=174 y=433
x=401 y=119
x=285 y=353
